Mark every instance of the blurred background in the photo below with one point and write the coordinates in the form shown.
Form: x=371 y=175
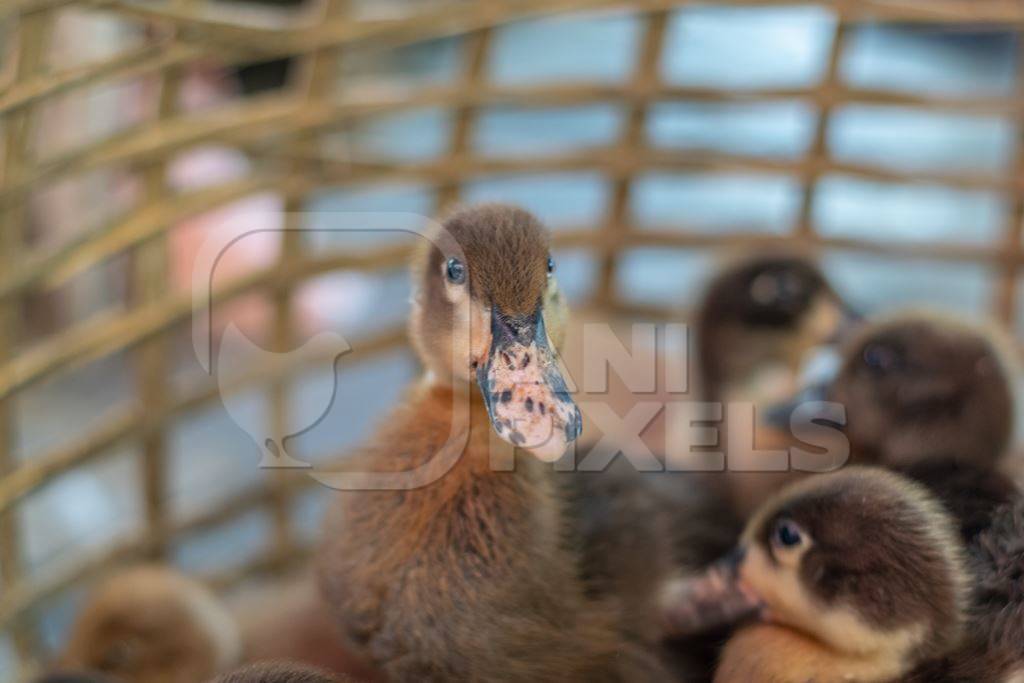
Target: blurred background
x=651 y=137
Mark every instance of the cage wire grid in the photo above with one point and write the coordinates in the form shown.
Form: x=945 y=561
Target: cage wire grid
x=279 y=132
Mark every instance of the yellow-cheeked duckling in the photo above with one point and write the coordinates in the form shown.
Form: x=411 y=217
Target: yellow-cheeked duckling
x=473 y=574
x=855 y=576
x=861 y=576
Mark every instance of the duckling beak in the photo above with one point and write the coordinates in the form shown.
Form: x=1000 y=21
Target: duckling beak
x=525 y=393
x=815 y=384
x=713 y=599
x=849 y=320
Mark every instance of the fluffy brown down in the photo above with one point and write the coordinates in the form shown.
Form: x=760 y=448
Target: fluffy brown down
x=476 y=576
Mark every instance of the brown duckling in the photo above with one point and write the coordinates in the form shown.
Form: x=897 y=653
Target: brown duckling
x=918 y=385
x=150 y=624
x=854 y=576
x=929 y=396
x=472 y=572
x=756 y=323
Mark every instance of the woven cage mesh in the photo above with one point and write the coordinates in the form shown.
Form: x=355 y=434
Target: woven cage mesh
x=286 y=137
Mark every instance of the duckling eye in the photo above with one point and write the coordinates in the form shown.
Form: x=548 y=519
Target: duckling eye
x=455 y=271
x=787 y=534
x=881 y=358
x=551 y=265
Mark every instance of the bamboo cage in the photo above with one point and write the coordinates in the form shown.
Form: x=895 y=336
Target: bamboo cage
x=280 y=133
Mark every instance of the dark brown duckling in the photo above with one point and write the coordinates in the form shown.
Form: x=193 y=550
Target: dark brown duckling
x=993 y=645
x=756 y=323
x=474 y=574
x=853 y=576
x=929 y=396
x=762 y=322
x=920 y=385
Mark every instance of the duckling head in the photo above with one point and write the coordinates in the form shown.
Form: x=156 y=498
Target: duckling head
x=919 y=385
x=487 y=309
x=862 y=561
x=762 y=314
x=149 y=624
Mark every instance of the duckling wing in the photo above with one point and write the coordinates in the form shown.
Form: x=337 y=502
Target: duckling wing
x=998 y=557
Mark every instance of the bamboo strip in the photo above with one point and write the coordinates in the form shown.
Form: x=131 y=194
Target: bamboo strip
x=457 y=17
x=477 y=49
x=318 y=70
x=240 y=122
x=1006 y=295
x=617 y=163
x=817 y=157
x=150 y=272
x=132 y=64
x=33 y=37
x=258 y=125
x=632 y=142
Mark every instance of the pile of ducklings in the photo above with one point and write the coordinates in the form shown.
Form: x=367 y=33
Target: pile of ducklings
x=470 y=544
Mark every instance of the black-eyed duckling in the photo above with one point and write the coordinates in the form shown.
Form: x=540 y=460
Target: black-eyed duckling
x=763 y=320
x=857 y=576
x=919 y=385
x=756 y=323
x=473 y=575
x=930 y=396
x=151 y=624
x=279 y=672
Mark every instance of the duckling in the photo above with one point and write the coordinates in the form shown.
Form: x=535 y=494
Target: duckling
x=150 y=624
x=930 y=396
x=474 y=573
x=763 y=320
x=993 y=646
x=853 y=576
x=756 y=323
x=278 y=672
x=919 y=385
